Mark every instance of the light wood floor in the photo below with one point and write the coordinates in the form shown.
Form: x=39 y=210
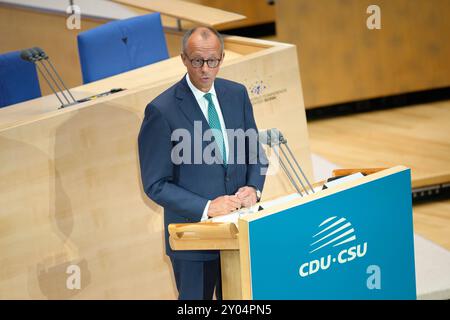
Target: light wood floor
x=416 y=136
x=432 y=221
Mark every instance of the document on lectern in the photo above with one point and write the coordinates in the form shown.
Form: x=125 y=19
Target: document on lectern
x=234 y=216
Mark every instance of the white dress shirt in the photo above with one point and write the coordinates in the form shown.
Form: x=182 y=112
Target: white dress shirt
x=203 y=103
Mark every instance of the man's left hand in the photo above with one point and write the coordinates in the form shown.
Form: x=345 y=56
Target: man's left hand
x=247 y=195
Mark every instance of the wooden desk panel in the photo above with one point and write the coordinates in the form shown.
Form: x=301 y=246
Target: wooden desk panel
x=184 y=10
x=342 y=60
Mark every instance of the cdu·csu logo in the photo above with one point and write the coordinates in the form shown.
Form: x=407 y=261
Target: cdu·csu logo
x=333 y=232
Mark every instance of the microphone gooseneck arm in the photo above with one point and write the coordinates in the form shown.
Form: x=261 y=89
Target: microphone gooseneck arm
x=37 y=56
x=274 y=139
x=47 y=58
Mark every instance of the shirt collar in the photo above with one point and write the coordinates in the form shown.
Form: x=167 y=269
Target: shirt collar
x=198 y=94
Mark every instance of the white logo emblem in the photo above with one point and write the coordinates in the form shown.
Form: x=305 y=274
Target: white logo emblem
x=334 y=232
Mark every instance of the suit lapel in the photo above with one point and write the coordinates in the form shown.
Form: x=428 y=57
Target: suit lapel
x=190 y=108
x=226 y=106
x=231 y=121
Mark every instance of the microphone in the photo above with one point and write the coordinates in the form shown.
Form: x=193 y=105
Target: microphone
x=275 y=140
x=41 y=55
x=26 y=55
x=271 y=137
x=29 y=55
x=45 y=57
x=37 y=56
x=40 y=52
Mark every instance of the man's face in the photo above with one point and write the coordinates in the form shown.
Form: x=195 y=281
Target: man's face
x=199 y=48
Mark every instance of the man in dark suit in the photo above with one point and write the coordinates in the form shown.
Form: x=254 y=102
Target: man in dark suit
x=221 y=176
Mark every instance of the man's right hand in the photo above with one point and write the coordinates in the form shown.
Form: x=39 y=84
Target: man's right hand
x=223 y=205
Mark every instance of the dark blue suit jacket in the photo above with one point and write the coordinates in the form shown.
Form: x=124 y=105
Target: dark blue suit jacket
x=184 y=189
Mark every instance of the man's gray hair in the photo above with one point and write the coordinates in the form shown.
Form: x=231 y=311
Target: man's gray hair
x=204 y=33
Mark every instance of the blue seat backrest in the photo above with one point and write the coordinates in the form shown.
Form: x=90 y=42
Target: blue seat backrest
x=120 y=46
x=18 y=79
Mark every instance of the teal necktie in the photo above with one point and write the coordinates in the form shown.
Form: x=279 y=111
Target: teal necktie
x=214 y=123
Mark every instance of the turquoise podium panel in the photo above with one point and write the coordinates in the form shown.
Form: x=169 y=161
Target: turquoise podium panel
x=354 y=244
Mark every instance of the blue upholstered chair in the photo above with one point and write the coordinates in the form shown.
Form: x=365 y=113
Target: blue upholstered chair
x=18 y=79
x=120 y=46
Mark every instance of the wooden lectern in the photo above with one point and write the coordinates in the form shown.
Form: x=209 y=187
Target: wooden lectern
x=350 y=241
x=217 y=236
